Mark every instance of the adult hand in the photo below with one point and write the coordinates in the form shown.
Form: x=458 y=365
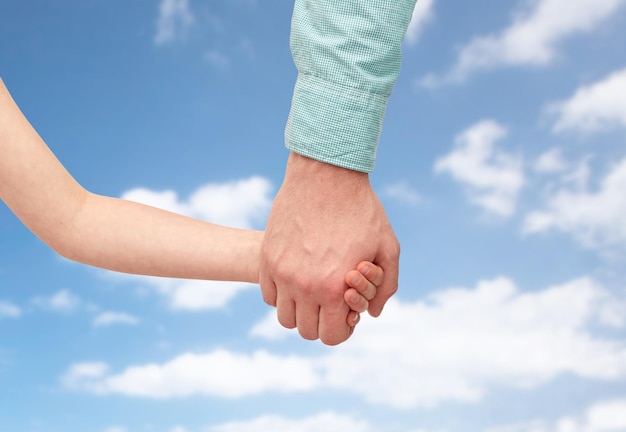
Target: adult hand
x=324 y=221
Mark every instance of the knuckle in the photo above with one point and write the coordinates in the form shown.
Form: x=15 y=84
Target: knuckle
x=282 y=273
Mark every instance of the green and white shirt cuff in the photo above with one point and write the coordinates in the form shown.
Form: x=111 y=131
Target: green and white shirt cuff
x=348 y=57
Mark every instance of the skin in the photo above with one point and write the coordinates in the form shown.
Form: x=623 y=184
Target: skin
x=325 y=220
x=362 y=285
x=128 y=237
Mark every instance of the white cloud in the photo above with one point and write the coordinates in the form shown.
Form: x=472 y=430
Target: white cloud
x=454 y=346
x=327 y=422
x=239 y=203
x=579 y=175
x=492 y=178
x=112 y=318
x=599 y=106
x=219 y=373
x=422 y=13
x=9 y=310
x=463 y=341
x=270 y=329
x=80 y=372
x=528 y=426
x=403 y=192
x=532 y=38
x=175 y=19
x=551 y=161
x=63 y=301
x=187 y=294
x=196 y=295
x=115 y=429
x=596 y=219
x=606 y=416
x=178 y=429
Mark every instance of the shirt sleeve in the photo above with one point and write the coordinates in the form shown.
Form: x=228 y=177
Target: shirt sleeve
x=348 y=57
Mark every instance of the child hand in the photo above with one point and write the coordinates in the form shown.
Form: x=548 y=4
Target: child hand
x=362 y=284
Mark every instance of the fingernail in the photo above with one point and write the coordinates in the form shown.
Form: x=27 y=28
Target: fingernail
x=356 y=318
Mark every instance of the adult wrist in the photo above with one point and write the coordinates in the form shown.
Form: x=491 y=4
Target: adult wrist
x=305 y=169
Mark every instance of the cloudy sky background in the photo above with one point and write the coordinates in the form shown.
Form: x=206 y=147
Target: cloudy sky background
x=502 y=167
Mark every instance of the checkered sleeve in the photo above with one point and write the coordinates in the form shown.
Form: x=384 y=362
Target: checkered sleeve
x=348 y=57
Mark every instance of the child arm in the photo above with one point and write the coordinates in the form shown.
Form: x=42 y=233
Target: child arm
x=108 y=232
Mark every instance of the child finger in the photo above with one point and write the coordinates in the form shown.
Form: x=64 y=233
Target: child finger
x=353 y=318
x=357 y=281
x=373 y=273
x=355 y=300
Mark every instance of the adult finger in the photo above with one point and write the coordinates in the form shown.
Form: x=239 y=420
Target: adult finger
x=286 y=311
x=307 y=320
x=333 y=328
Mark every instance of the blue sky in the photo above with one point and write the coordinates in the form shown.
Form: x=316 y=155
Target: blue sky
x=502 y=167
